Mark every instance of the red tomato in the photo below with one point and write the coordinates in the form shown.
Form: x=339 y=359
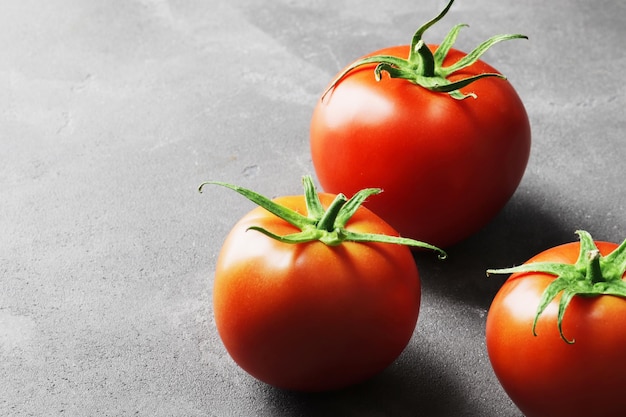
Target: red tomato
x=310 y=316
x=544 y=375
x=446 y=166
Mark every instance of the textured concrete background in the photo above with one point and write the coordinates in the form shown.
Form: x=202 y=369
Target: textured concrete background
x=111 y=114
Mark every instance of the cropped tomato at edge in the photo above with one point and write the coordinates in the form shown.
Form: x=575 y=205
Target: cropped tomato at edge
x=578 y=373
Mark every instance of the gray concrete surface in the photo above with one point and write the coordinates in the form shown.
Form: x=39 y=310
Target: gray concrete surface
x=111 y=114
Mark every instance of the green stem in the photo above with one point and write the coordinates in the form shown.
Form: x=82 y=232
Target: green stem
x=417 y=36
x=427 y=60
x=594 y=270
x=327 y=222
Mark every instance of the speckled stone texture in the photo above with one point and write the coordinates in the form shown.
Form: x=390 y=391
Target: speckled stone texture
x=113 y=112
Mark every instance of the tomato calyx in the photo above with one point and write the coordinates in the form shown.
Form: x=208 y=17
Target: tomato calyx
x=325 y=225
x=592 y=275
x=425 y=68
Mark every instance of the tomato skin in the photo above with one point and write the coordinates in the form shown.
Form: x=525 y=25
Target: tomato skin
x=446 y=166
x=543 y=375
x=312 y=317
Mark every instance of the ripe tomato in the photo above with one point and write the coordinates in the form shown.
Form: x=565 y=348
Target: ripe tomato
x=579 y=372
x=313 y=316
x=446 y=166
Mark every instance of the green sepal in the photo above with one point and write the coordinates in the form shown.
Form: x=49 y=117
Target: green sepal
x=314 y=206
x=325 y=225
x=352 y=205
x=448 y=42
x=591 y=275
x=290 y=216
x=425 y=68
x=371 y=237
x=294 y=238
x=472 y=57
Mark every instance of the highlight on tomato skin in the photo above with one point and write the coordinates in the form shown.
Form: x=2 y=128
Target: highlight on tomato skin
x=315 y=292
x=443 y=133
x=556 y=331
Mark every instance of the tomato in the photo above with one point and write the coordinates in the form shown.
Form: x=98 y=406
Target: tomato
x=310 y=315
x=579 y=370
x=447 y=166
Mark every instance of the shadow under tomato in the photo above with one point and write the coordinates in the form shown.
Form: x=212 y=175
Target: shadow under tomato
x=522 y=229
x=413 y=386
